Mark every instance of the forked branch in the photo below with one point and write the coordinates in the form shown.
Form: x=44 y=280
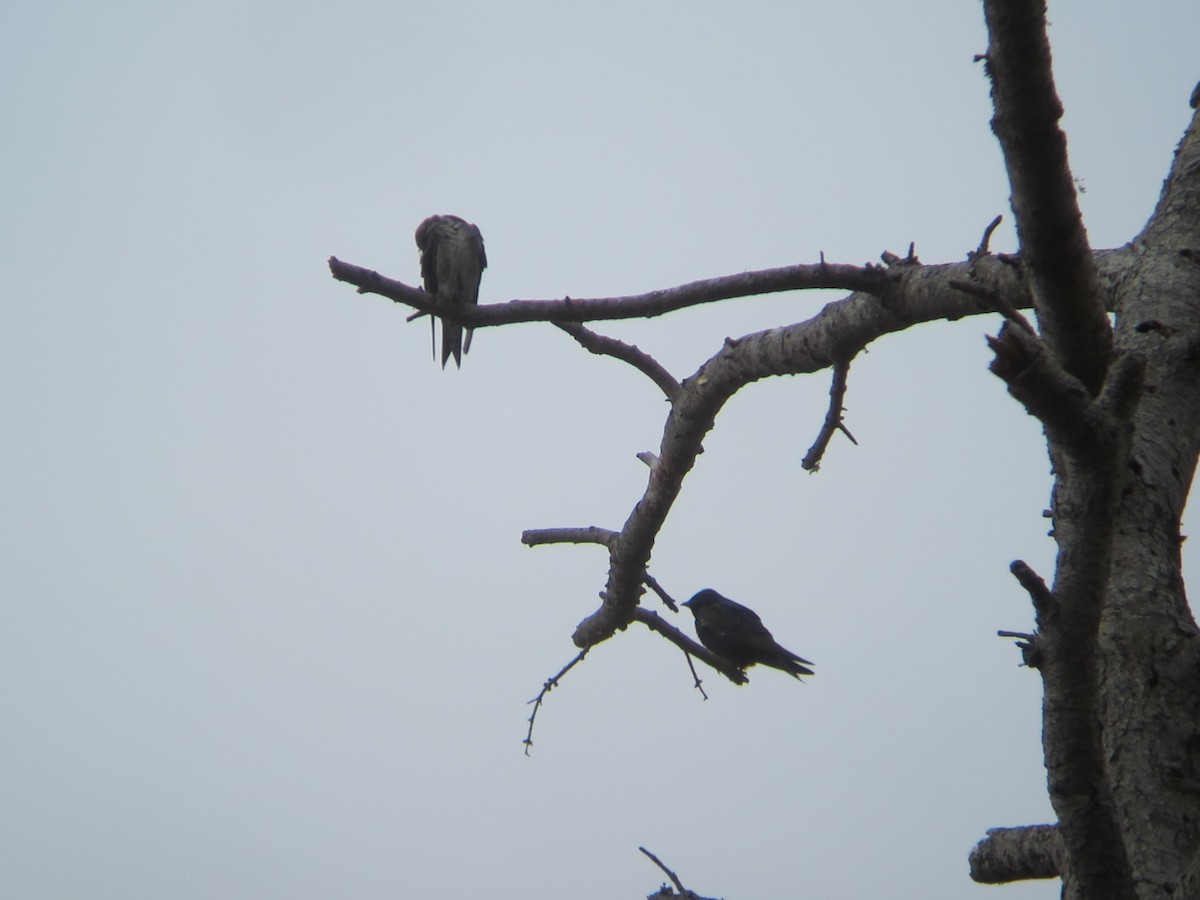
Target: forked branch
x=838 y=332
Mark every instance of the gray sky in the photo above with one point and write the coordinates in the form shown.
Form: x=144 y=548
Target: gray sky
x=267 y=627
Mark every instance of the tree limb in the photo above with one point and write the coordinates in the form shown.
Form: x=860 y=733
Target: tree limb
x=839 y=331
x=664 y=891
x=1056 y=398
x=1053 y=240
x=587 y=534
x=866 y=279
x=1017 y=854
x=608 y=346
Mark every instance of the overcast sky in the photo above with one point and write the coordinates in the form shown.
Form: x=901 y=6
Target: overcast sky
x=267 y=629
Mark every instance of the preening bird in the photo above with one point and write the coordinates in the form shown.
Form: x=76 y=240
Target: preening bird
x=738 y=634
x=452 y=264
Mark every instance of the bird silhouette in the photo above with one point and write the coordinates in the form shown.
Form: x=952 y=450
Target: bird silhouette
x=735 y=632
x=452 y=264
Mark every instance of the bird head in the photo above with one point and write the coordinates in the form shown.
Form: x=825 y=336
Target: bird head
x=702 y=599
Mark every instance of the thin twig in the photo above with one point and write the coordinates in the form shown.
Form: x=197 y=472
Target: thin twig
x=668 y=602
x=603 y=345
x=983 y=249
x=1030 y=645
x=994 y=300
x=696 y=682
x=674 y=878
x=833 y=419
x=1024 y=636
x=547 y=688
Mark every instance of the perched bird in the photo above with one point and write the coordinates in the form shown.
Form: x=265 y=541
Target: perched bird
x=731 y=630
x=452 y=264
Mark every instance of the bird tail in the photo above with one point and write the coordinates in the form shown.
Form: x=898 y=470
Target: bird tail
x=797 y=666
x=452 y=342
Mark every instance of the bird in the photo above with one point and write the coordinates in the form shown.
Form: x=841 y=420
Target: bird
x=735 y=632
x=452 y=264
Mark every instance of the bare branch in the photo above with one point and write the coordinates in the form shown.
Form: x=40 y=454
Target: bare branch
x=995 y=301
x=697 y=683
x=1035 y=586
x=833 y=419
x=588 y=534
x=866 y=279
x=668 y=602
x=550 y=685
x=664 y=891
x=1023 y=635
x=1054 y=244
x=1030 y=645
x=655 y=622
x=1059 y=400
x=658 y=862
x=838 y=332
x=1017 y=854
x=984 y=244
x=608 y=346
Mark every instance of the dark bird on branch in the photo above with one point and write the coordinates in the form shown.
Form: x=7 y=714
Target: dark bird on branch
x=731 y=630
x=452 y=264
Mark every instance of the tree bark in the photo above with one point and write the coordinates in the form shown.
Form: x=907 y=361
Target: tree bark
x=1150 y=655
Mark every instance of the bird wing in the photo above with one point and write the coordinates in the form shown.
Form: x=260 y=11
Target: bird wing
x=477 y=240
x=428 y=233
x=736 y=632
x=427 y=244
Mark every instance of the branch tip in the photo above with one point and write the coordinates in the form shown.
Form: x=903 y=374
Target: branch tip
x=549 y=685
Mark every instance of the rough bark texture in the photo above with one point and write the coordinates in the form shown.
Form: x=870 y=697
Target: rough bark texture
x=1150 y=656
x=1010 y=854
